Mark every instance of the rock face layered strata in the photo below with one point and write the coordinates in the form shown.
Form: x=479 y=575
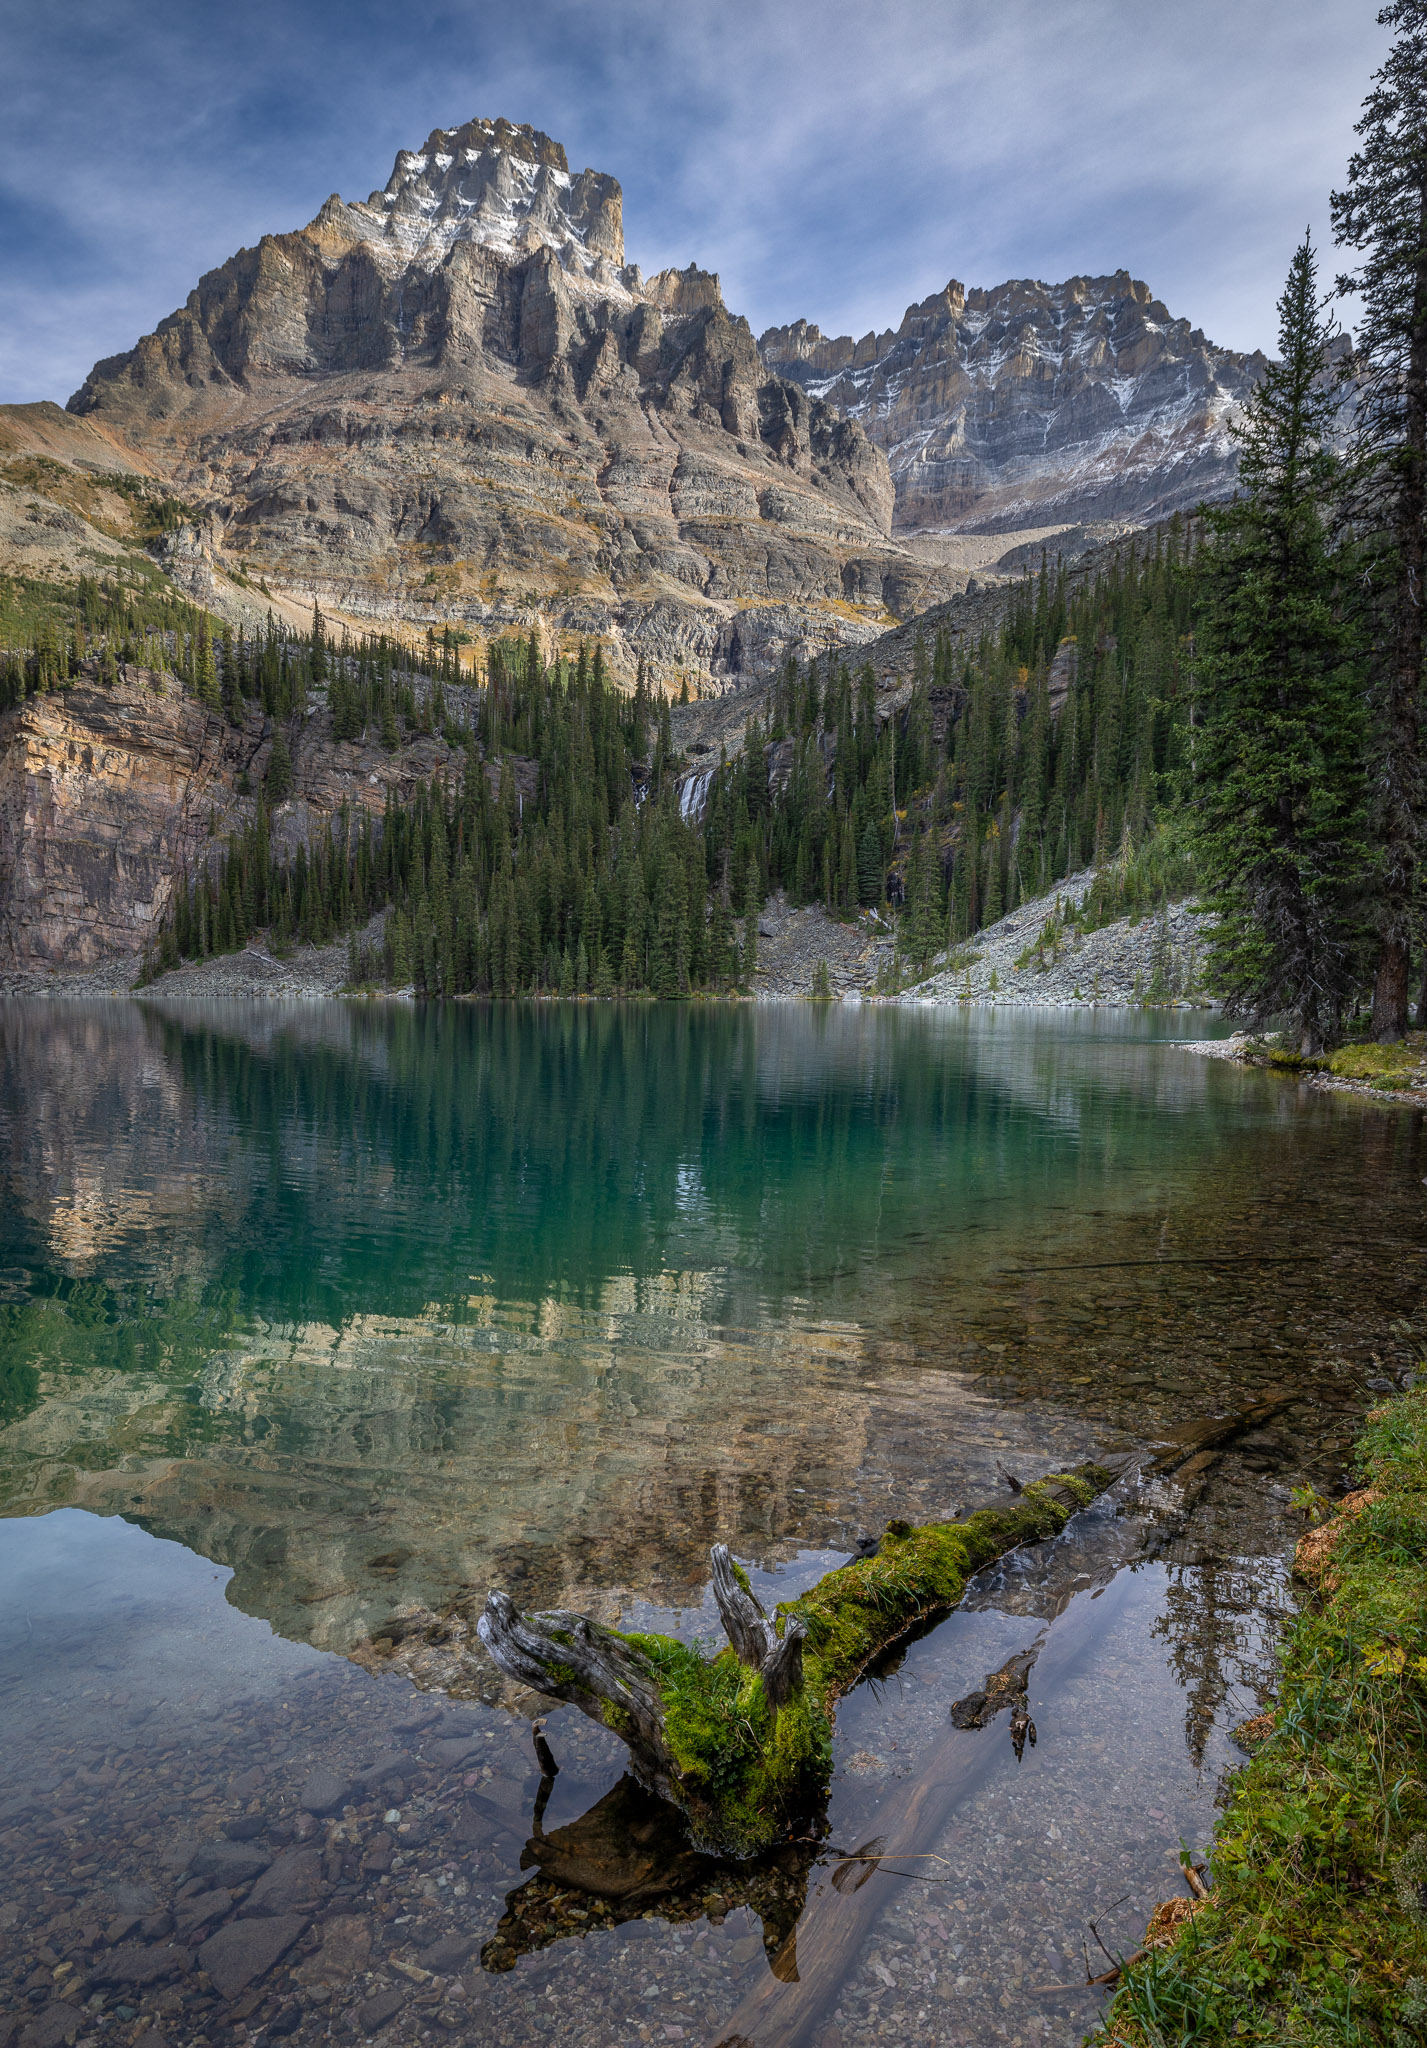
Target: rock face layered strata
x=1033 y=403
x=455 y=399
x=109 y=795
x=102 y=793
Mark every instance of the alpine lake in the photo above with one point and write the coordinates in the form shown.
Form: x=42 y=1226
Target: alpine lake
x=319 y=1320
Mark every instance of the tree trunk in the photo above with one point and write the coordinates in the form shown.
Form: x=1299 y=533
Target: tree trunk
x=1402 y=767
x=608 y=1676
x=1390 y=992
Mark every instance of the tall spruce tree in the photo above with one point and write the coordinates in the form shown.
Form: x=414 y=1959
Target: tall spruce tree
x=924 y=922
x=205 y=668
x=278 y=781
x=1382 y=213
x=1277 y=783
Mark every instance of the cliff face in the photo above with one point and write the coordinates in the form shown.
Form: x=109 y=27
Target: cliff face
x=109 y=795
x=454 y=397
x=1032 y=404
x=102 y=797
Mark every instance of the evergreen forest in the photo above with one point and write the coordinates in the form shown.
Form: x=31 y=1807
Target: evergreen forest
x=565 y=847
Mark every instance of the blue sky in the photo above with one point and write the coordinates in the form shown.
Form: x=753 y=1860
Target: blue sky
x=830 y=160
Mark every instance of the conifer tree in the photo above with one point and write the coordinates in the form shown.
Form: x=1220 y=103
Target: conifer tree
x=722 y=963
x=317 y=645
x=870 y=875
x=752 y=905
x=1277 y=787
x=923 y=921
x=278 y=781
x=391 y=737
x=748 y=966
x=1382 y=214
x=205 y=672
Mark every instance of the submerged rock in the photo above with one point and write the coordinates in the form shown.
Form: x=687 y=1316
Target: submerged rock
x=324 y=1791
x=238 y=1954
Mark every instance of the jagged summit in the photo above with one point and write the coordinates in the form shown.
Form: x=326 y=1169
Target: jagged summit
x=454 y=399
x=1080 y=400
x=504 y=185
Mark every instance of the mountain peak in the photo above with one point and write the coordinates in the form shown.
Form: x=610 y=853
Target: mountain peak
x=501 y=184
x=1026 y=401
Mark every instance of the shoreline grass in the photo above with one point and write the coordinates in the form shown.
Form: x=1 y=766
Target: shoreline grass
x=1316 y=1928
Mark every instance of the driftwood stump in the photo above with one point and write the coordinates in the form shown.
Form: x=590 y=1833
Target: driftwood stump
x=741 y=1741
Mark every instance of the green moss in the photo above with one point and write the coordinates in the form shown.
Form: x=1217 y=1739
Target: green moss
x=1381 y=1066
x=742 y=1769
x=854 y=1614
x=1284 y=1060
x=1317 y=1932
x=743 y=1772
x=1081 y=1489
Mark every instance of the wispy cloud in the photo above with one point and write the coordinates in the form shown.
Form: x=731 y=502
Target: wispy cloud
x=829 y=159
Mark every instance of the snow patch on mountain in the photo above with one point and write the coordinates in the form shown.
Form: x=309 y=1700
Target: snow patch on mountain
x=502 y=186
x=1085 y=399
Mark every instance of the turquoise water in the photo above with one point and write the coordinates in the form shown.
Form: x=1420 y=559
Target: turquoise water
x=564 y=1294
x=316 y=1316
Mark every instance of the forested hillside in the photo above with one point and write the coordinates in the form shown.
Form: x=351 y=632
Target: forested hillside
x=568 y=848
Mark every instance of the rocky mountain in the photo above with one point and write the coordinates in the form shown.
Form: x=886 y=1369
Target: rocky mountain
x=1032 y=404
x=455 y=400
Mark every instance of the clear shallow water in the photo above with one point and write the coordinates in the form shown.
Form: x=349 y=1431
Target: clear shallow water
x=364 y=1307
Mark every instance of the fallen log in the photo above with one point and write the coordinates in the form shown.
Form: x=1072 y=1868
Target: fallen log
x=1176 y=1446
x=741 y=1742
x=806 y=1975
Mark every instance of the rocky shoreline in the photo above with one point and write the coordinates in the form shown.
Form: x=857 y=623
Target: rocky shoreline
x=1038 y=955
x=1114 y=967
x=1403 y=1079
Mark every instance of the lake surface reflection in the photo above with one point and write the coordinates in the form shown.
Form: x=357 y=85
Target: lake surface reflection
x=374 y=1307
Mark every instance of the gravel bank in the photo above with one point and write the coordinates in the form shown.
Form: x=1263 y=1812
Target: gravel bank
x=1115 y=965
x=791 y=942
x=307 y=971
x=1231 y=1048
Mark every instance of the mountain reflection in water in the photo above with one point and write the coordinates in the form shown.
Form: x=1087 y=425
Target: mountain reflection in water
x=381 y=1305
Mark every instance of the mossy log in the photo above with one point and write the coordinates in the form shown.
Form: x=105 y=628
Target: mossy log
x=741 y=1742
x=807 y=1973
